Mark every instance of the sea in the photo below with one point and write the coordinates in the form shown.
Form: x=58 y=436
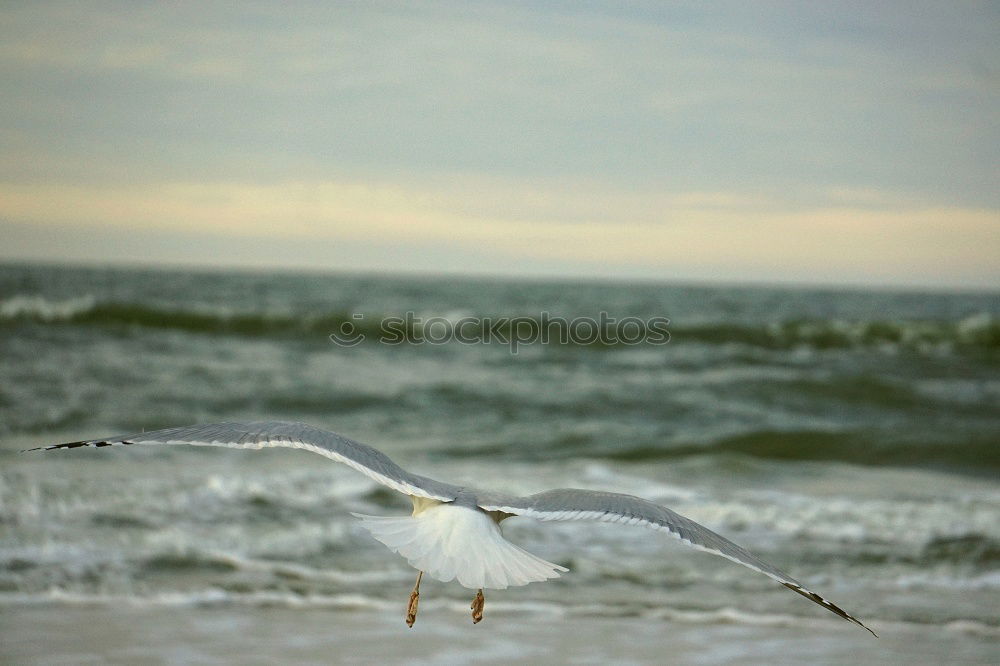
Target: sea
x=849 y=436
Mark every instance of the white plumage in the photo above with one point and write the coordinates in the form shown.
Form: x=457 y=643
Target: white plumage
x=449 y=542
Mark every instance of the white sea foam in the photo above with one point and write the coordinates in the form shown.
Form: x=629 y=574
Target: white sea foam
x=23 y=305
x=925 y=580
x=302 y=572
x=218 y=598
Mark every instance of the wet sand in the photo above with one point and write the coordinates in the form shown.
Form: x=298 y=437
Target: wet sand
x=101 y=634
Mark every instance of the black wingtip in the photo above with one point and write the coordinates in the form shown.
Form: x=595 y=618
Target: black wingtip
x=67 y=445
x=861 y=624
x=97 y=443
x=829 y=605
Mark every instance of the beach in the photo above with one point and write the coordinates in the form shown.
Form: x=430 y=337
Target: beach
x=444 y=636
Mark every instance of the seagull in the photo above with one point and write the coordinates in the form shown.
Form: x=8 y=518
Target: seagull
x=454 y=531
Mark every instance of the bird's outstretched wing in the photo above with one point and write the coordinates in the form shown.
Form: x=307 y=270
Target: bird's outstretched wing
x=574 y=504
x=263 y=434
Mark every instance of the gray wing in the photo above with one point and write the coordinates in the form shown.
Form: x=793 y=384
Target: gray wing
x=574 y=504
x=264 y=434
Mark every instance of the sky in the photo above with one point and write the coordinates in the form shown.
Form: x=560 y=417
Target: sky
x=852 y=143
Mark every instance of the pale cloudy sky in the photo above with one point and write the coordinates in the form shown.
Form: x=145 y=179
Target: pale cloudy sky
x=833 y=142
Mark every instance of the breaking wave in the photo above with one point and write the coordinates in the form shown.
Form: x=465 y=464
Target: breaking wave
x=978 y=455
x=859 y=448
x=975 y=333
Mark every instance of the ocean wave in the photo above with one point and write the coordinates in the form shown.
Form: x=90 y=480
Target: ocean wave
x=924 y=580
x=975 y=333
x=968 y=562
x=37 y=308
x=221 y=562
x=979 y=331
x=976 y=455
x=205 y=598
x=978 y=549
x=979 y=455
x=219 y=598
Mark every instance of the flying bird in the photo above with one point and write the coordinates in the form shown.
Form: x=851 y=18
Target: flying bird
x=454 y=531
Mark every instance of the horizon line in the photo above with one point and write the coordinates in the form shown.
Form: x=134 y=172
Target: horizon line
x=518 y=276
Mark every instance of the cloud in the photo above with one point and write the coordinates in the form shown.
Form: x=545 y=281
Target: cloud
x=702 y=234
x=664 y=139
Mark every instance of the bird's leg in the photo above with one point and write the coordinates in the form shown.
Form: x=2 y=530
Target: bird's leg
x=477 y=607
x=411 y=608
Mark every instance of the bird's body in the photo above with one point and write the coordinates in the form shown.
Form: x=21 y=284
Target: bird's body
x=459 y=541
x=454 y=531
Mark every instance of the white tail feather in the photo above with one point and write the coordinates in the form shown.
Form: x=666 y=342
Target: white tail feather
x=450 y=542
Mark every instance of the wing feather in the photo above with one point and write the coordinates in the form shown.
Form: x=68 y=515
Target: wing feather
x=266 y=434
x=575 y=504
